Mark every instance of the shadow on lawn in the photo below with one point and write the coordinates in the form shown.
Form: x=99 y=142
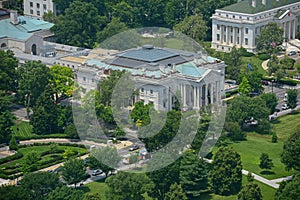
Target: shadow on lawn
x=267 y=172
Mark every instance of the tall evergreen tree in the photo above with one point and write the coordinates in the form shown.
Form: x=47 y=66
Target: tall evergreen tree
x=45 y=114
x=251 y=191
x=6 y=117
x=265 y=161
x=226 y=174
x=193 y=174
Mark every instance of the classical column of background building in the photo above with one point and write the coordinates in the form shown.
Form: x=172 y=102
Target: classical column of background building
x=227 y=35
x=221 y=34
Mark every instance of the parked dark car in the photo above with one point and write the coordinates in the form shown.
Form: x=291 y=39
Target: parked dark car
x=134 y=147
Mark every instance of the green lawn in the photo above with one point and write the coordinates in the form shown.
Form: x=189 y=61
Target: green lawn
x=256 y=144
x=100 y=187
x=254 y=61
x=286 y=125
x=22 y=129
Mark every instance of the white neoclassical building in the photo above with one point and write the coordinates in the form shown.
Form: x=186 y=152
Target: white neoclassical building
x=162 y=74
x=37 y=8
x=240 y=24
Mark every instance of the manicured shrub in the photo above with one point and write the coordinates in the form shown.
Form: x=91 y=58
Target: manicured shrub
x=11 y=158
x=263 y=56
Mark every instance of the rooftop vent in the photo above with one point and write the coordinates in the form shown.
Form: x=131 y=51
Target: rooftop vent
x=14 y=17
x=148 y=46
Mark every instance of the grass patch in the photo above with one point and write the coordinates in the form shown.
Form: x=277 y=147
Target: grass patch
x=96 y=187
x=251 y=149
x=254 y=61
x=286 y=125
x=22 y=129
x=267 y=192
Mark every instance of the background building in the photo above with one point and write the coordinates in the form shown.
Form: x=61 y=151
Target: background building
x=239 y=24
x=23 y=33
x=37 y=8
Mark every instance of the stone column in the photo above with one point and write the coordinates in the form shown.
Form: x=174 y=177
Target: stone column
x=284 y=30
x=289 y=30
x=227 y=35
x=221 y=34
x=240 y=35
x=211 y=93
x=206 y=93
x=184 y=96
x=234 y=35
x=200 y=96
x=195 y=97
x=294 y=29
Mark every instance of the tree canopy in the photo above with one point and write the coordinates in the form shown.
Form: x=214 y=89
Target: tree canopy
x=73 y=171
x=8 y=73
x=291 y=151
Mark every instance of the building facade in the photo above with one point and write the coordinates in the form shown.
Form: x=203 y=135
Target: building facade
x=37 y=8
x=24 y=33
x=240 y=24
x=161 y=75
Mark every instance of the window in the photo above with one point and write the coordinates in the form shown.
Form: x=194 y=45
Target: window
x=227 y=16
x=218 y=37
x=224 y=28
x=218 y=26
x=224 y=38
x=84 y=78
x=38 y=5
x=238 y=30
x=233 y=16
x=31 y=11
x=45 y=7
x=238 y=40
x=231 y=29
x=246 y=41
x=142 y=89
x=38 y=13
x=31 y=4
x=248 y=18
x=164 y=104
x=151 y=91
x=246 y=30
x=231 y=39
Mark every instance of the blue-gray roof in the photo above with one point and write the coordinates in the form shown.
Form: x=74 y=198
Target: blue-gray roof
x=148 y=55
x=24 y=29
x=190 y=69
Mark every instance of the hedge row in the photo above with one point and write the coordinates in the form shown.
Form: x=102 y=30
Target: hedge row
x=230 y=93
x=58 y=135
x=263 y=56
x=285 y=81
x=49 y=143
x=16 y=156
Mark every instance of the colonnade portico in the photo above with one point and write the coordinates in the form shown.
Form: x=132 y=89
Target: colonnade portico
x=233 y=35
x=289 y=29
x=197 y=96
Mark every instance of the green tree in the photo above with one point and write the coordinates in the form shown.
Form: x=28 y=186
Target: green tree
x=287 y=63
x=62 y=81
x=193 y=174
x=65 y=193
x=235 y=132
x=13 y=192
x=271 y=101
x=289 y=190
x=94 y=163
x=163 y=177
x=82 y=22
x=30 y=161
x=33 y=77
x=13 y=143
x=45 y=114
x=128 y=186
x=175 y=193
x=226 y=173
x=271 y=33
x=40 y=184
x=92 y=196
x=251 y=191
x=73 y=171
x=123 y=12
x=292 y=98
x=265 y=161
x=244 y=87
x=50 y=17
x=291 y=151
x=273 y=65
x=193 y=26
x=71 y=131
x=8 y=74
x=233 y=61
x=141 y=112
x=6 y=117
x=113 y=27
